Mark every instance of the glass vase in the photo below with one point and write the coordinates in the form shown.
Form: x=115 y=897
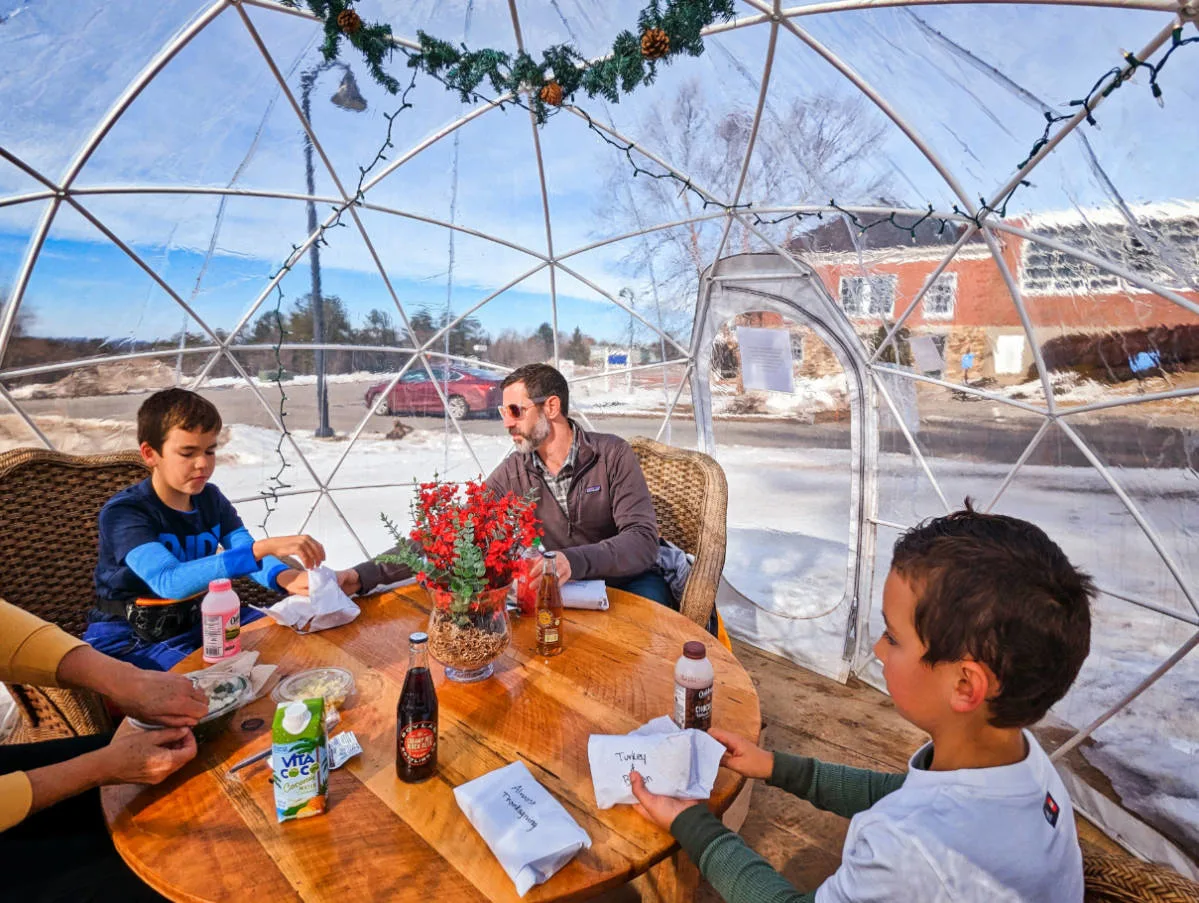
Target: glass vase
x=468 y=642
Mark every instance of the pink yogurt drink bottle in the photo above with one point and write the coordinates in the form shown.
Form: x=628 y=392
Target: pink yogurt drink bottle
x=220 y=614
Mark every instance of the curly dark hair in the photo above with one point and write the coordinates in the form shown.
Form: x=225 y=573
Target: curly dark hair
x=174 y=408
x=997 y=589
x=541 y=381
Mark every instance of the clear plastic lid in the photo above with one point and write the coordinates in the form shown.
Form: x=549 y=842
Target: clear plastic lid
x=332 y=684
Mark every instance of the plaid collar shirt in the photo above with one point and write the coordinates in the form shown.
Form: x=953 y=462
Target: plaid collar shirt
x=559 y=484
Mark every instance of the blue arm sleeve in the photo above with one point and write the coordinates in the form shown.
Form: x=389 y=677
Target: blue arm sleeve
x=268 y=570
x=171 y=578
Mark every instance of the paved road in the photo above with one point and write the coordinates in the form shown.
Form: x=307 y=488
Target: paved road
x=974 y=431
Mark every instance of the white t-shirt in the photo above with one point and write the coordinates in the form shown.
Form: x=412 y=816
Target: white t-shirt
x=978 y=834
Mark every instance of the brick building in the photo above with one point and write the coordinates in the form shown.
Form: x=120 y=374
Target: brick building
x=969 y=309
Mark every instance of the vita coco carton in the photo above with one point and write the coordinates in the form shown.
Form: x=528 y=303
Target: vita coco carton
x=300 y=759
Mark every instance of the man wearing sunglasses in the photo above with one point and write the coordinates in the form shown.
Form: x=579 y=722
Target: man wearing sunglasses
x=592 y=500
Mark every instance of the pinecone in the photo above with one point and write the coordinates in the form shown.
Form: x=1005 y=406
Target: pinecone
x=349 y=21
x=655 y=44
x=551 y=93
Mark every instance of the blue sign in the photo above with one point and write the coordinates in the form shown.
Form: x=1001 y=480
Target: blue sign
x=967 y=360
x=621 y=359
x=1145 y=361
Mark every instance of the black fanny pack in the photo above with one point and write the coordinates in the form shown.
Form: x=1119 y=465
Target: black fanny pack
x=156 y=620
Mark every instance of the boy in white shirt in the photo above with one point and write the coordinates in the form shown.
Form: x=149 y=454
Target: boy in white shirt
x=987 y=625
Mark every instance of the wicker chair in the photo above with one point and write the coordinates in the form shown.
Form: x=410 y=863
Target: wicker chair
x=1119 y=878
x=49 y=504
x=691 y=500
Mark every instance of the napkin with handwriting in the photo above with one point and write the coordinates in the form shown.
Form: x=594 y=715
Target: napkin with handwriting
x=673 y=762
x=529 y=831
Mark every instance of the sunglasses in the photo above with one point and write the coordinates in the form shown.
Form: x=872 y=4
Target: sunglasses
x=516 y=411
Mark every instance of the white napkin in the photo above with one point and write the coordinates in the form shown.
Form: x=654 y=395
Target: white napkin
x=673 y=762
x=325 y=605
x=529 y=831
x=589 y=594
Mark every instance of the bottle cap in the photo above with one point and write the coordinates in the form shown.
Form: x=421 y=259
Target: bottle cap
x=417 y=638
x=550 y=553
x=220 y=585
x=694 y=649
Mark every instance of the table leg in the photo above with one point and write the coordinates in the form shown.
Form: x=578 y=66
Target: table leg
x=673 y=880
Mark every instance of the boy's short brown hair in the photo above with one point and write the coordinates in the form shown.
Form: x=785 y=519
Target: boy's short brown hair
x=998 y=590
x=174 y=409
x=541 y=381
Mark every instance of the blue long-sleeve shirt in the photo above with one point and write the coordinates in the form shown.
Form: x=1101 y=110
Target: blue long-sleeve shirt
x=148 y=549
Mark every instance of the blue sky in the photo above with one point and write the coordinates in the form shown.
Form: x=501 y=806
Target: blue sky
x=215 y=110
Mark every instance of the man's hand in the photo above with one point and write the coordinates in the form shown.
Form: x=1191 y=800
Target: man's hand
x=145 y=757
x=563 y=568
x=305 y=548
x=349 y=581
x=742 y=756
x=661 y=810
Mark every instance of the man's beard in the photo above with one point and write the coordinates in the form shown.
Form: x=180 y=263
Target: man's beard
x=533 y=440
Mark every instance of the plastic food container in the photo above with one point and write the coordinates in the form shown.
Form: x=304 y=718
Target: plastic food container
x=225 y=692
x=335 y=685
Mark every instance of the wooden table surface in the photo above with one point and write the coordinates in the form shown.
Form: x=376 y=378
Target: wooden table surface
x=204 y=834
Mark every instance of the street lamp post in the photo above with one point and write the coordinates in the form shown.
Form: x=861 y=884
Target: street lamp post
x=347 y=97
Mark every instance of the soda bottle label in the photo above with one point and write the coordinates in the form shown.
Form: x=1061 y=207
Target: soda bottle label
x=232 y=633
x=418 y=742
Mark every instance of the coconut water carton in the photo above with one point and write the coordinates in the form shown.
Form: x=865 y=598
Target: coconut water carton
x=300 y=759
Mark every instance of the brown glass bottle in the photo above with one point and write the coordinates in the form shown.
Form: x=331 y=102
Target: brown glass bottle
x=416 y=717
x=549 y=609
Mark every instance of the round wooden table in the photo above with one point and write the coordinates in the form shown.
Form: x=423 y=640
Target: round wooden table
x=204 y=834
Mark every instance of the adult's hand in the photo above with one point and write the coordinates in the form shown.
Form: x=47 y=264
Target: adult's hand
x=743 y=756
x=161 y=698
x=146 y=757
x=349 y=580
x=538 y=568
x=153 y=696
x=661 y=810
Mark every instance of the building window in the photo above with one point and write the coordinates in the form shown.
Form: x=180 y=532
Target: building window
x=868 y=296
x=941 y=297
x=1047 y=271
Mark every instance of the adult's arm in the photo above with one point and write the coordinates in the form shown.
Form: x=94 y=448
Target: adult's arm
x=634 y=549
x=34 y=651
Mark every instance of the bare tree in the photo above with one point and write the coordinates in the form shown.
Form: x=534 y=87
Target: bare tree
x=807 y=151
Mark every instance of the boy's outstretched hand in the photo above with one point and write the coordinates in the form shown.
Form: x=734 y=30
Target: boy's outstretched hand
x=305 y=548
x=742 y=756
x=661 y=810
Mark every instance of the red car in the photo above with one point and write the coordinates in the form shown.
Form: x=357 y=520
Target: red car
x=467 y=391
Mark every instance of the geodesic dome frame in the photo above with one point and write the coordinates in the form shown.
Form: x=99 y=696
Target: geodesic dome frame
x=752 y=261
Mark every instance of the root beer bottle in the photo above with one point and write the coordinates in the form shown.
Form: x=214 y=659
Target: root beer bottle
x=416 y=717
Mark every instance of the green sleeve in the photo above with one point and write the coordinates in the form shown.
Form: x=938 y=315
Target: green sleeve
x=738 y=873
x=834 y=788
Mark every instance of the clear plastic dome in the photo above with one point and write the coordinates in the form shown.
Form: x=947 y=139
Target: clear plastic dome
x=984 y=294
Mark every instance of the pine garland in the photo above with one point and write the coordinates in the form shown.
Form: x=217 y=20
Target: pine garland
x=624 y=70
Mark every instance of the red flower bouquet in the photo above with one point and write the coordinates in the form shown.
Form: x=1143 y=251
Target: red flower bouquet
x=465 y=541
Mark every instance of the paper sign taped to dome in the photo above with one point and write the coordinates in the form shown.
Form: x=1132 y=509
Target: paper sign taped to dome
x=766 y=361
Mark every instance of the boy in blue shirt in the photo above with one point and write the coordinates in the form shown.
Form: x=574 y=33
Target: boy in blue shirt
x=163 y=539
